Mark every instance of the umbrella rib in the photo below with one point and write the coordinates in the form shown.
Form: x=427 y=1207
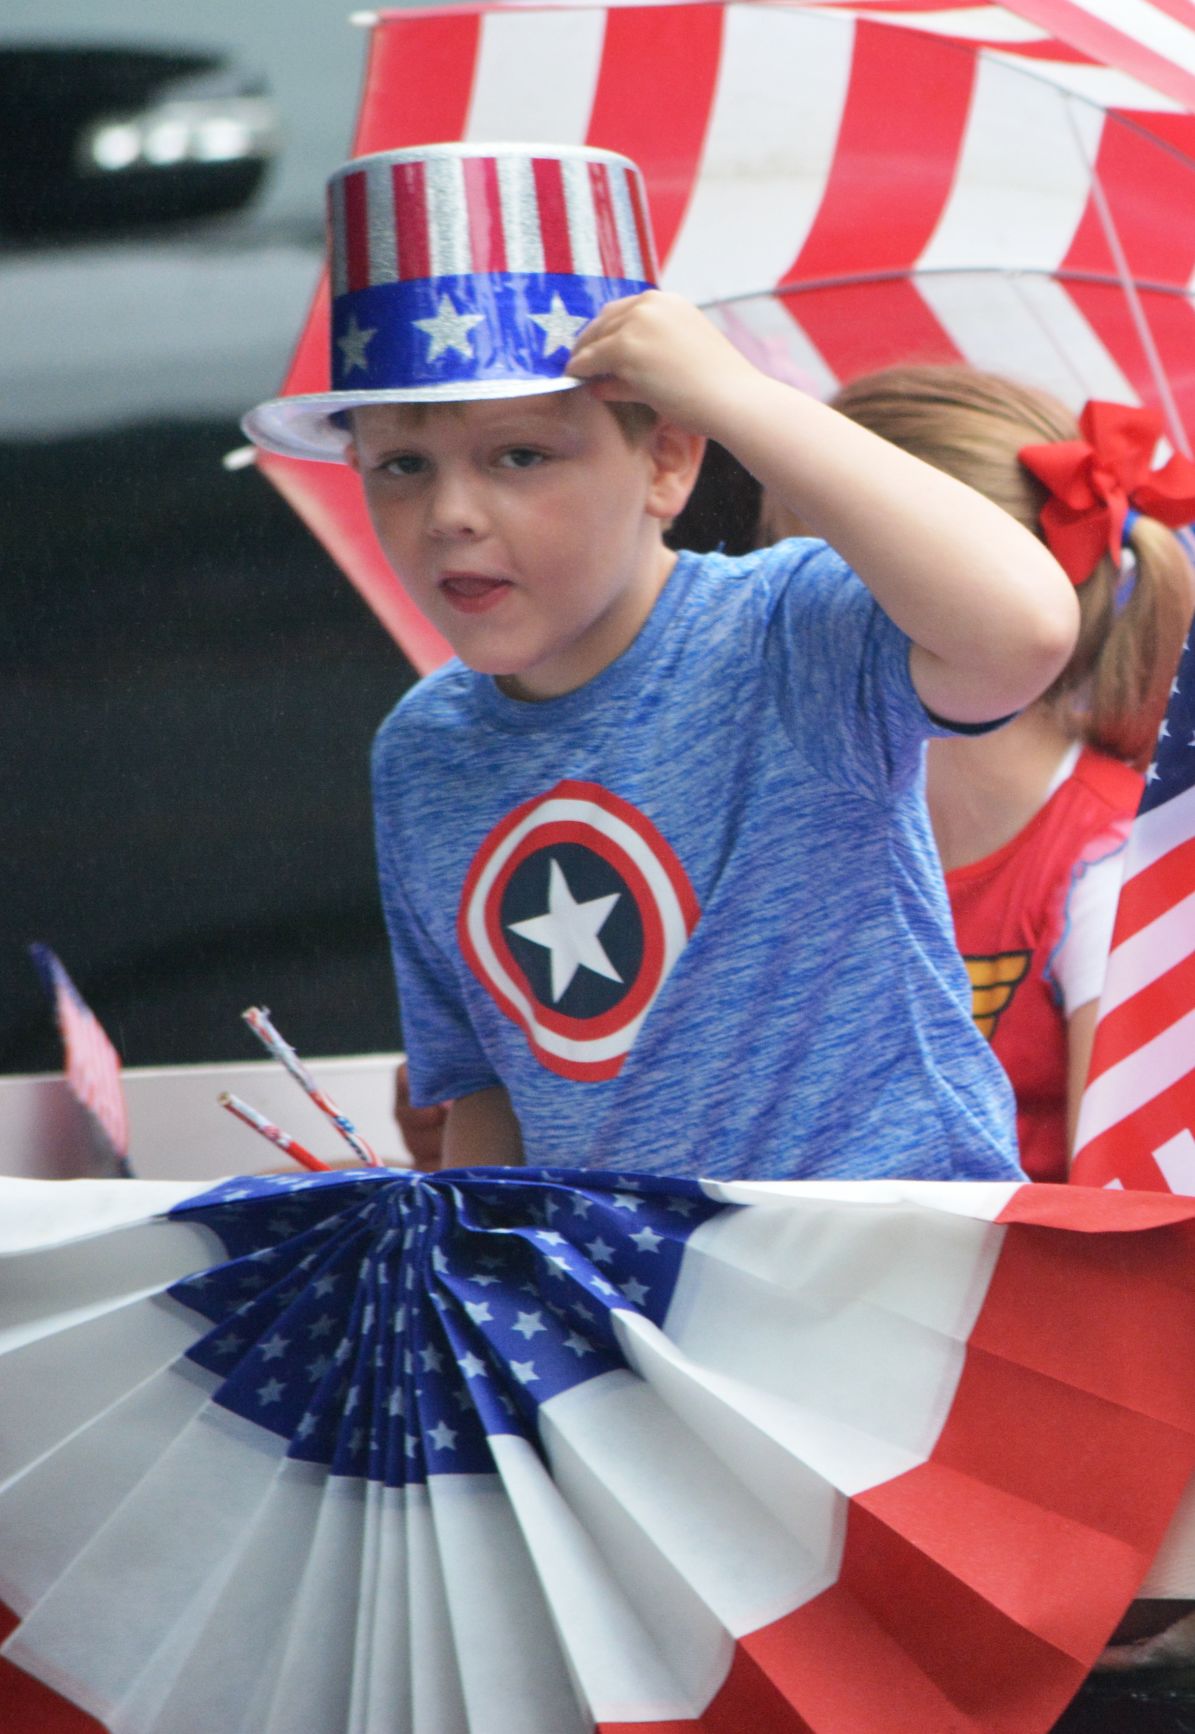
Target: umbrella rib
x=1136 y=311
x=853 y=279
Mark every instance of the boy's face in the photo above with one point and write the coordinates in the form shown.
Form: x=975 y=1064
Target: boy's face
x=526 y=529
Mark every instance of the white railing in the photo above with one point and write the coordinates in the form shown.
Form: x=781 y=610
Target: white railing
x=178 y=1130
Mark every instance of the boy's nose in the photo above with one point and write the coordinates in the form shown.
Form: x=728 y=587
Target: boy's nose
x=455 y=508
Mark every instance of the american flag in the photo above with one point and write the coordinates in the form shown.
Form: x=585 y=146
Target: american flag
x=533 y=1451
x=92 y=1063
x=1138 y=1111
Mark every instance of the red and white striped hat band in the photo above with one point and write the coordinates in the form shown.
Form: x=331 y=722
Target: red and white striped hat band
x=462 y=272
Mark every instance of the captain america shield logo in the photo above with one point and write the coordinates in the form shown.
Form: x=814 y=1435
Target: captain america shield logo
x=573 y=913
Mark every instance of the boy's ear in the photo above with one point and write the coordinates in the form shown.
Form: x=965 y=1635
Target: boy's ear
x=352 y=456
x=676 y=458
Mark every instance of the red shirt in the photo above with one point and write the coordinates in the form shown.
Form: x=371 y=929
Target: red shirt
x=1009 y=918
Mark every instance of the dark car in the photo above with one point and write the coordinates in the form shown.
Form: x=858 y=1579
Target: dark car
x=102 y=139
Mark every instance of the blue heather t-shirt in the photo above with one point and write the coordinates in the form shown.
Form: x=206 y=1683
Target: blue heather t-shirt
x=690 y=915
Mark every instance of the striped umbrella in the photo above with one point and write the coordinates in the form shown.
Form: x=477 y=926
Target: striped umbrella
x=848 y=184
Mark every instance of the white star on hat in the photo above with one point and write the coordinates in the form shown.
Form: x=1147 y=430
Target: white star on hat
x=559 y=326
x=449 y=329
x=352 y=344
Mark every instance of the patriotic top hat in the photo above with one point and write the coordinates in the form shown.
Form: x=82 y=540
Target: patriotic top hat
x=464 y=271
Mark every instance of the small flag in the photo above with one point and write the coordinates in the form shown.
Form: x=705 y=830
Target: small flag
x=92 y=1063
x=1137 y=1117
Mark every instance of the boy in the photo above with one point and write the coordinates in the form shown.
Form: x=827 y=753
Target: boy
x=653 y=850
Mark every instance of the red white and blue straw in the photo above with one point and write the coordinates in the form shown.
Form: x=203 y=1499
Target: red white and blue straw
x=299 y=1152
x=258 y=1019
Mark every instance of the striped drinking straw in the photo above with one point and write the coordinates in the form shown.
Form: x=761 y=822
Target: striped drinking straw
x=258 y=1019
x=275 y=1134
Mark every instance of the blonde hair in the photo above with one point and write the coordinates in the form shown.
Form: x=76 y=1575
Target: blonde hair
x=635 y=420
x=1112 y=693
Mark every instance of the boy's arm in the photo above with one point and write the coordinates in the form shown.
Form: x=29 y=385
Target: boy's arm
x=991 y=616
x=481 y=1128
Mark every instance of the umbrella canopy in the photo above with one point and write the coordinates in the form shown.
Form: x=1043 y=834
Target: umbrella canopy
x=1010 y=185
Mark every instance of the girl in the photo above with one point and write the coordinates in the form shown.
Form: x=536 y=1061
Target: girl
x=1030 y=820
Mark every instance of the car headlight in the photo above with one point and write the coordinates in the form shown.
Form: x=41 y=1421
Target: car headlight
x=213 y=130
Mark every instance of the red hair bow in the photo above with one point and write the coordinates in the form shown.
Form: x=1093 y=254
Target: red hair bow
x=1094 y=480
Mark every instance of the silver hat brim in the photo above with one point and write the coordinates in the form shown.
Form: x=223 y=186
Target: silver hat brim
x=302 y=427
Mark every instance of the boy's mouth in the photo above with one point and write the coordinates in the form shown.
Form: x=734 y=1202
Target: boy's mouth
x=472 y=592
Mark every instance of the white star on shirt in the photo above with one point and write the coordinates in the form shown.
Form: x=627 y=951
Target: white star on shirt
x=647 y=1240
x=352 y=344
x=448 y=330
x=559 y=326
x=443 y=1437
x=570 y=931
x=1153 y=773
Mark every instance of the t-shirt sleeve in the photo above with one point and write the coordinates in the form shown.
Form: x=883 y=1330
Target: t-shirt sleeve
x=1079 y=962
x=444 y=1057
x=841 y=674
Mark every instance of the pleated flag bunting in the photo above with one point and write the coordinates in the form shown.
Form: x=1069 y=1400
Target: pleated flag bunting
x=543 y=1452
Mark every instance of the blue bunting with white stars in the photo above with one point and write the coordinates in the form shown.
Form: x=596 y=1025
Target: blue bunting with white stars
x=387 y=1324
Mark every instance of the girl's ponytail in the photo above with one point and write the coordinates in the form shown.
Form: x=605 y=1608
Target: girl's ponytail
x=1132 y=620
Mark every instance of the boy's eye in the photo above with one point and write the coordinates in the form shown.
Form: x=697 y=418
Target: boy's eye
x=404 y=464
x=521 y=457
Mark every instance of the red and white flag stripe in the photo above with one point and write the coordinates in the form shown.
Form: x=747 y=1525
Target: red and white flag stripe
x=92 y=1064
x=463 y=215
x=1136 y=1116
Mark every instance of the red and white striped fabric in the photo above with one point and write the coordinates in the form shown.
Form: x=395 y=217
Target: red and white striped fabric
x=864 y=1469
x=852 y=184
x=398 y=221
x=1138 y=1109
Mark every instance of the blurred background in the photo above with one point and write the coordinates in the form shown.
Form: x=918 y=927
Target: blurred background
x=189 y=686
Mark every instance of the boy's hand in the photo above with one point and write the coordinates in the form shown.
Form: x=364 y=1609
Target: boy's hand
x=422 y=1128
x=658 y=349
